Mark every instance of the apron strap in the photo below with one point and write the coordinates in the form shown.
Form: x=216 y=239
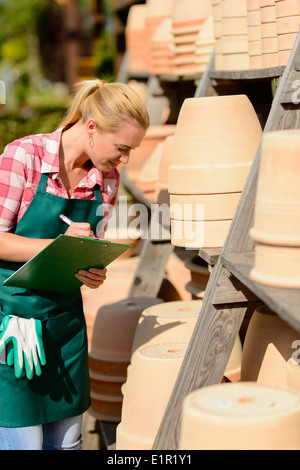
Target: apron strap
x=43 y=183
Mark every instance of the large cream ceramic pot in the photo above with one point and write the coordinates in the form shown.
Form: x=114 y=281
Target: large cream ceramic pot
x=266 y=329
x=241 y=416
x=151 y=379
x=215 y=142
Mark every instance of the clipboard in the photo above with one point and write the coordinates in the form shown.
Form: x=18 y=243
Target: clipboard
x=53 y=269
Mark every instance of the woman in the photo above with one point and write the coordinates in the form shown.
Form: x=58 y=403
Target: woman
x=71 y=171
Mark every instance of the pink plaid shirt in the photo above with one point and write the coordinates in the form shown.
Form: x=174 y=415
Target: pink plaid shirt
x=21 y=165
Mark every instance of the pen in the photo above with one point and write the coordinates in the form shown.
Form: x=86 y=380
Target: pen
x=66 y=219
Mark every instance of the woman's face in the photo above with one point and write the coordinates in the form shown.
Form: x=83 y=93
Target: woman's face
x=111 y=149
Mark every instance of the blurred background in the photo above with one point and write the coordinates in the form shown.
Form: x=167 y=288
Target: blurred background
x=46 y=46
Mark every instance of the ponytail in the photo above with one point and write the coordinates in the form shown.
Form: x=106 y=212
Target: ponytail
x=109 y=104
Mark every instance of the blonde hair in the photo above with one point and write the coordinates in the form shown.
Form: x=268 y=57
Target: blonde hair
x=109 y=104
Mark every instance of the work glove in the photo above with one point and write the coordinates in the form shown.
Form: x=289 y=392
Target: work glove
x=26 y=351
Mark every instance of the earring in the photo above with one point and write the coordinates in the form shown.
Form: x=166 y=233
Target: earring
x=91 y=141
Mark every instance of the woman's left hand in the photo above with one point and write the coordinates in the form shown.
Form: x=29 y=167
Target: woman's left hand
x=92 y=278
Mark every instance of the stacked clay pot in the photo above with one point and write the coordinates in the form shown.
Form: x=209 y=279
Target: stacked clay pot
x=241 y=416
x=161 y=49
x=277 y=212
x=139 y=156
x=199 y=277
x=152 y=375
x=110 y=353
x=288 y=24
x=174 y=322
x=234 y=35
x=188 y=16
x=205 y=44
x=269 y=41
x=215 y=142
x=135 y=34
x=156 y=13
x=217 y=15
x=268 y=345
x=254 y=33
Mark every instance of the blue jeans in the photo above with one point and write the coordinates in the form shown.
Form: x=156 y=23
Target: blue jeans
x=60 y=435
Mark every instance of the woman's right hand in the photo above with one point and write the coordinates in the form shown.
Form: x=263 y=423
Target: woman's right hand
x=80 y=229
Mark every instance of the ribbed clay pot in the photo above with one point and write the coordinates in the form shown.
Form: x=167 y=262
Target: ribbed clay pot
x=210 y=164
x=188 y=18
x=161 y=49
x=254 y=33
x=241 y=416
x=151 y=379
x=277 y=204
x=266 y=328
x=234 y=38
x=205 y=43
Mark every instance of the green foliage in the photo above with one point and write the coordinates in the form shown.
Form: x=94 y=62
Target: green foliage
x=15 y=126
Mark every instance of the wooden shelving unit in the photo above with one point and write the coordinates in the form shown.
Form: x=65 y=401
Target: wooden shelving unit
x=230 y=289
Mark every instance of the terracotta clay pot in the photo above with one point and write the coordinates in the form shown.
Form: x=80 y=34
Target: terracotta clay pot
x=150 y=172
x=264 y=329
x=241 y=416
x=199 y=272
x=151 y=379
x=138 y=157
x=134 y=34
x=254 y=34
x=205 y=43
x=269 y=45
x=277 y=204
x=188 y=17
x=106 y=407
x=161 y=49
x=173 y=322
x=210 y=164
x=115 y=326
x=234 y=35
x=276 y=266
x=293 y=374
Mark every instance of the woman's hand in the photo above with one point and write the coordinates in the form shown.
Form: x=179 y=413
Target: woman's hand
x=92 y=278
x=80 y=229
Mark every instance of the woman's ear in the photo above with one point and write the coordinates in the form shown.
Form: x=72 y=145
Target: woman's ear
x=91 y=126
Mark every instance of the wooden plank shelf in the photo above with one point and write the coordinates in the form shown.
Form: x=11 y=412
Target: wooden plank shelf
x=283 y=301
x=258 y=74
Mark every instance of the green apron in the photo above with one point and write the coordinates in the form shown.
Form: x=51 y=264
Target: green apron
x=63 y=390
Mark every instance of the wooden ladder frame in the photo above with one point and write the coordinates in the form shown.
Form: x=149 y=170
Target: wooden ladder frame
x=230 y=288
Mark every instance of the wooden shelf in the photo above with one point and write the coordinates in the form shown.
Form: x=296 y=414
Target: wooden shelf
x=259 y=74
x=285 y=302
